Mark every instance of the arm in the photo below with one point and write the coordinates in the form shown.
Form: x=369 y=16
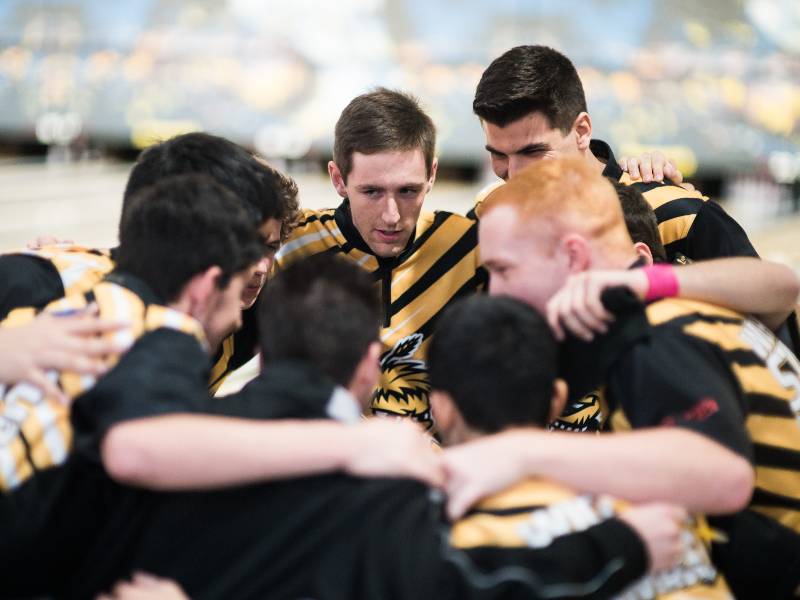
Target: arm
x=640 y=466
x=770 y=292
x=172 y=452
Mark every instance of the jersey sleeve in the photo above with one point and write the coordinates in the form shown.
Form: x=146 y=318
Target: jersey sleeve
x=676 y=380
x=27 y=281
x=714 y=234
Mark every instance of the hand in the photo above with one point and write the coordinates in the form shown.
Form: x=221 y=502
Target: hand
x=144 y=586
x=660 y=526
x=482 y=467
x=46 y=240
x=651 y=167
x=394 y=448
x=64 y=343
x=577 y=307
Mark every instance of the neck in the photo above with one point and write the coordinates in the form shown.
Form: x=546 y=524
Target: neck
x=596 y=164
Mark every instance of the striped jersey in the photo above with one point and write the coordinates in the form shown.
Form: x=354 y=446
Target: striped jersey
x=35 y=430
x=37 y=277
x=534 y=513
x=439 y=265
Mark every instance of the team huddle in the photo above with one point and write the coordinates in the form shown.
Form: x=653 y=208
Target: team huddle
x=585 y=387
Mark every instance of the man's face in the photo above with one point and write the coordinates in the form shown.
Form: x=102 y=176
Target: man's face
x=386 y=190
x=518 y=261
x=225 y=314
x=257 y=274
x=521 y=142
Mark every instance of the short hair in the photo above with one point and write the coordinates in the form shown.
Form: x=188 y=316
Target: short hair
x=267 y=192
x=567 y=194
x=379 y=121
x=182 y=226
x=497 y=359
x=322 y=310
x=640 y=220
x=529 y=79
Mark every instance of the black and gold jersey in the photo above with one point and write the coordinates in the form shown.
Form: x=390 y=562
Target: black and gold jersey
x=235 y=350
x=439 y=265
x=689 y=223
x=38 y=277
x=537 y=512
x=35 y=430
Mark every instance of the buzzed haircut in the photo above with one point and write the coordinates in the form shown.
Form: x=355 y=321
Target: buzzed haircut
x=268 y=193
x=529 y=79
x=380 y=121
x=568 y=195
x=322 y=310
x=497 y=359
x=180 y=227
x=640 y=220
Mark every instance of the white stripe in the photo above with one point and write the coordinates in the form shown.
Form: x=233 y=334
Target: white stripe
x=124 y=337
x=363 y=259
x=390 y=332
x=304 y=240
x=51 y=435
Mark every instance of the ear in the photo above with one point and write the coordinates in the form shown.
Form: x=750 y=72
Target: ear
x=366 y=375
x=643 y=250
x=444 y=410
x=434 y=169
x=337 y=179
x=197 y=296
x=582 y=126
x=559 y=399
x=577 y=252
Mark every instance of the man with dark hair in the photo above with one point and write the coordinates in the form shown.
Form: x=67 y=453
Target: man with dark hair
x=531 y=104
x=185 y=247
x=383 y=166
x=331 y=536
x=499 y=348
x=36 y=277
x=641 y=222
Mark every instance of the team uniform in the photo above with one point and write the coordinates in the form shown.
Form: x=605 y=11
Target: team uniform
x=35 y=278
x=35 y=431
x=439 y=265
x=533 y=513
x=693 y=365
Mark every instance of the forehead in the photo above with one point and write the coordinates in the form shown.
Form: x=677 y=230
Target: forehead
x=390 y=167
x=270 y=230
x=533 y=127
x=502 y=236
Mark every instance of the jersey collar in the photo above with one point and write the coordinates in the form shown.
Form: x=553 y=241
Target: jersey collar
x=603 y=153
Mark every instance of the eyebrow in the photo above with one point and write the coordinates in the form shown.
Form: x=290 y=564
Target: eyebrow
x=529 y=149
x=367 y=186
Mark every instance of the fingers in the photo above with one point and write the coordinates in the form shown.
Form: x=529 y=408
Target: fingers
x=672 y=173
x=40 y=380
x=646 y=167
x=578 y=308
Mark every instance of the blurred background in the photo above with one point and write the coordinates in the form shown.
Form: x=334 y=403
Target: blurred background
x=86 y=84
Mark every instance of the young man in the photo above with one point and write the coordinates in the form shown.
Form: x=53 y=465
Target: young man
x=37 y=277
x=186 y=246
x=383 y=167
x=499 y=348
x=331 y=536
x=701 y=381
x=531 y=104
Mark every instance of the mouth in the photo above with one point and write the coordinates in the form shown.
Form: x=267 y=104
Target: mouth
x=386 y=235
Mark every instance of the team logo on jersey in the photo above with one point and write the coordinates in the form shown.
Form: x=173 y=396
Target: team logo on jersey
x=585 y=414
x=404 y=387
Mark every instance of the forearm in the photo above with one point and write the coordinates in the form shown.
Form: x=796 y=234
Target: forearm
x=176 y=452
x=763 y=289
x=669 y=464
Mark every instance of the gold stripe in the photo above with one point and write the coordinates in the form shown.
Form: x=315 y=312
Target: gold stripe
x=786 y=516
x=724 y=335
x=782 y=432
x=757 y=379
x=19 y=316
x=19 y=460
x=661 y=195
x=221 y=366
x=672 y=308
x=488 y=530
x=785 y=482
x=533 y=492
x=676 y=228
x=619 y=422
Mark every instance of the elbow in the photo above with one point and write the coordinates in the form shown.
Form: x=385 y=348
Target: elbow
x=736 y=483
x=124 y=458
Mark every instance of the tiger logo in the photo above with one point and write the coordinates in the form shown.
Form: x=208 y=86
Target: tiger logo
x=582 y=415
x=404 y=389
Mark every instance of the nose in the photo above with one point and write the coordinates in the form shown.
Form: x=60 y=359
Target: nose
x=495 y=286
x=264 y=265
x=391 y=214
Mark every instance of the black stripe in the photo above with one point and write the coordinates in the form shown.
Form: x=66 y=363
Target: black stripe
x=321 y=218
x=471 y=214
x=743 y=358
x=471 y=286
x=774 y=456
x=694 y=317
x=676 y=247
x=770 y=406
x=765 y=498
x=441 y=267
x=439 y=219
x=678 y=208
x=643 y=187
x=505 y=512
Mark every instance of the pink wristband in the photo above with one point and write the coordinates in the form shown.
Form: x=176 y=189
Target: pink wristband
x=661 y=282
